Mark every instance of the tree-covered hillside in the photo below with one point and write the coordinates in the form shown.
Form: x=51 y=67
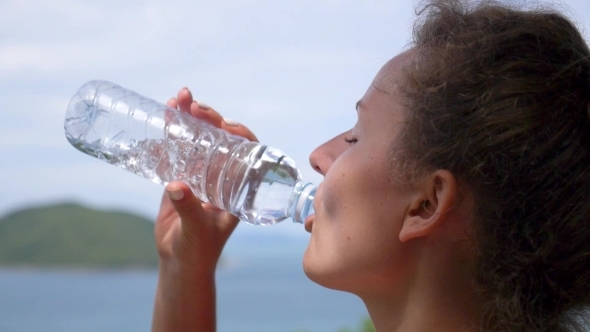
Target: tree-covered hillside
x=70 y=235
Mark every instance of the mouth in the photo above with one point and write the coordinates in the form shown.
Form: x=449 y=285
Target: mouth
x=309 y=223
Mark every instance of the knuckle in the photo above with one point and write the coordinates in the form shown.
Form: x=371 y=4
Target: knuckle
x=185 y=207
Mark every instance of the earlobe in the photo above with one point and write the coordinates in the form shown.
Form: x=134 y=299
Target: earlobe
x=418 y=221
x=432 y=204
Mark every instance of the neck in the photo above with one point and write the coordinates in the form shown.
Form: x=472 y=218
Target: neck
x=440 y=297
x=422 y=314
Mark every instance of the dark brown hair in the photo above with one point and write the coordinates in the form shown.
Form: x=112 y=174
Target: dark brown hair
x=500 y=97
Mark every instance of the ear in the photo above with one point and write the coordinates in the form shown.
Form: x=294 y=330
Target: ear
x=434 y=200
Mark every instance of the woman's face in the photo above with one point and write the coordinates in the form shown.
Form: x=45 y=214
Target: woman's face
x=358 y=208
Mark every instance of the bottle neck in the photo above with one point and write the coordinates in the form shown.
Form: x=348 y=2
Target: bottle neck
x=301 y=202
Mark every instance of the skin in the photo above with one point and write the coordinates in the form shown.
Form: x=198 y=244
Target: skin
x=190 y=236
x=405 y=250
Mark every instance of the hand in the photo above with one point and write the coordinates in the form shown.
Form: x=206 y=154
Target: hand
x=190 y=234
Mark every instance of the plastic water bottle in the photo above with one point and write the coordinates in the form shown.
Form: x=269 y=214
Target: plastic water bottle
x=256 y=183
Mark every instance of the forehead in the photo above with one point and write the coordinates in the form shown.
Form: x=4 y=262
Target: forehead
x=381 y=106
x=387 y=78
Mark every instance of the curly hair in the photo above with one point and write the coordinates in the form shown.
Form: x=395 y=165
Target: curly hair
x=500 y=96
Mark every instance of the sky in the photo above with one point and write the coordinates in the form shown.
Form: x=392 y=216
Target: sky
x=291 y=71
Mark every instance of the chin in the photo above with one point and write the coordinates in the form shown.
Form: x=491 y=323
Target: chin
x=323 y=273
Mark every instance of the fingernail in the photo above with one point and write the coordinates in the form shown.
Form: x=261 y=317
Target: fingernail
x=231 y=122
x=176 y=194
x=187 y=91
x=202 y=105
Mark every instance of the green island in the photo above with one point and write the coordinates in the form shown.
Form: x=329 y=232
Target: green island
x=73 y=236
x=366 y=325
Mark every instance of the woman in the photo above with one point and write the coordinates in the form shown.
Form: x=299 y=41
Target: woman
x=457 y=202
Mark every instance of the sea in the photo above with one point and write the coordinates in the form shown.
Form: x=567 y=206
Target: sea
x=259 y=291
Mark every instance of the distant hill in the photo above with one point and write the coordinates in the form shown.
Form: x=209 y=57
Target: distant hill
x=73 y=236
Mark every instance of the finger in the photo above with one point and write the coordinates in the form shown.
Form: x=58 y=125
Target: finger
x=210 y=207
x=188 y=207
x=172 y=102
x=169 y=115
x=205 y=112
x=185 y=99
x=238 y=129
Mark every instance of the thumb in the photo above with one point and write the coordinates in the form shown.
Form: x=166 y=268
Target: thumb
x=187 y=205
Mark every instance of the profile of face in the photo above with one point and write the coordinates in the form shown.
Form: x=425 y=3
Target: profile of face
x=367 y=218
x=359 y=209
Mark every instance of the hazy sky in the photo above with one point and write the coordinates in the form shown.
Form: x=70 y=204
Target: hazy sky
x=290 y=70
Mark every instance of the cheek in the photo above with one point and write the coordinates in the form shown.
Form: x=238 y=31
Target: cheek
x=331 y=196
x=343 y=185
x=347 y=192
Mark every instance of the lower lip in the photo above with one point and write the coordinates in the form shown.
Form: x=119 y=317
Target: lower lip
x=309 y=222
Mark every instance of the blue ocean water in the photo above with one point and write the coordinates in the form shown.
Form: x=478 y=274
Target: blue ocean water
x=270 y=294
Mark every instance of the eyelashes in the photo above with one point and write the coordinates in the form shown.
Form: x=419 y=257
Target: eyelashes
x=350 y=140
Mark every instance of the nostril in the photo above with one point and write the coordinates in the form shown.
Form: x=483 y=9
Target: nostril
x=315 y=163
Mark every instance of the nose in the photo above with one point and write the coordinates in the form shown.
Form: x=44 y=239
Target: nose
x=324 y=155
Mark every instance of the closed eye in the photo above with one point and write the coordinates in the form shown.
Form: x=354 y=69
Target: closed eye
x=350 y=140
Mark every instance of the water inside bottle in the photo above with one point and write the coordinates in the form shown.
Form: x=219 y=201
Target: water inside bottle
x=266 y=193
x=261 y=199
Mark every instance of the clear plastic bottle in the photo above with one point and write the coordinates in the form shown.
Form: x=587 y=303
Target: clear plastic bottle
x=256 y=183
